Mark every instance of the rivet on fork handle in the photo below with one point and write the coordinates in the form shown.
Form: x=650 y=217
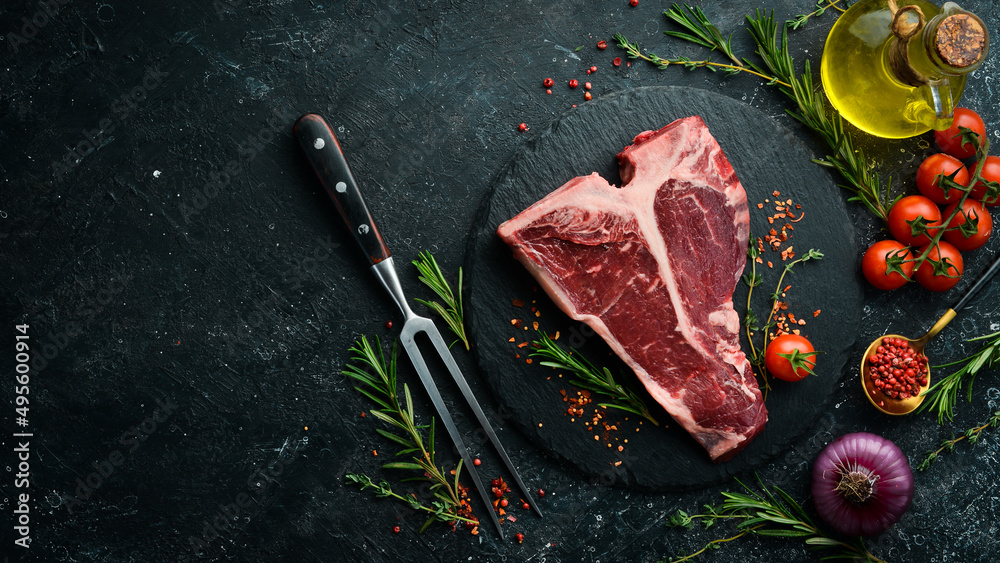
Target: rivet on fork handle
x=315 y=135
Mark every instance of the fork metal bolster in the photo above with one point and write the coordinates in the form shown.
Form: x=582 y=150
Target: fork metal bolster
x=386 y=273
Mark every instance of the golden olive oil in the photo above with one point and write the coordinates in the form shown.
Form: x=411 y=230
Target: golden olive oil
x=861 y=85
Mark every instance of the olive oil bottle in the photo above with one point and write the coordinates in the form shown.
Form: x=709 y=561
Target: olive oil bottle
x=895 y=86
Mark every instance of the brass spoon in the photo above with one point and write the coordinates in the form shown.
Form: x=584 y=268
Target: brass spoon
x=906 y=406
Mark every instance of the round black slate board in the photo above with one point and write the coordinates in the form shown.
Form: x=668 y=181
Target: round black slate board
x=766 y=157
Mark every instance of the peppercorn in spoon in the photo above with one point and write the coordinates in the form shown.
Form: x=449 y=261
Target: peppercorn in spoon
x=895 y=373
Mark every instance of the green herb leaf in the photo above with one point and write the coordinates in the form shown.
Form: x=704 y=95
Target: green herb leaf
x=451 y=311
x=589 y=377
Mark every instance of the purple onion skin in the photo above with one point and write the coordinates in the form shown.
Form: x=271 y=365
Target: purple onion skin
x=891 y=495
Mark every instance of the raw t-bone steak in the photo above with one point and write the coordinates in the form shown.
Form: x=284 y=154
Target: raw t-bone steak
x=651 y=267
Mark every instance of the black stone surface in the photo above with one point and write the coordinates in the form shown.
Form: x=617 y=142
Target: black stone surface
x=191 y=296
x=586 y=139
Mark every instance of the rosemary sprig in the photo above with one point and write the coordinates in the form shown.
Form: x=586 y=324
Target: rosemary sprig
x=942 y=396
x=377 y=380
x=451 y=311
x=701 y=30
x=821 y=7
x=770 y=513
x=440 y=511
x=863 y=181
x=633 y=51
x=972 y=435
x=590 y=377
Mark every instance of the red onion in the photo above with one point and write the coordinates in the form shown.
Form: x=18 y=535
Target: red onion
x=861 y=484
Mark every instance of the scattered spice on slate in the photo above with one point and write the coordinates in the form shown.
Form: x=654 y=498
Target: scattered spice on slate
x=548 y=82
x=520 y=538
x=395 y=529
x=574 y=83
x=602 y=44
x=593 y=69
x=388 y=324
x=617 y=61
x=523 y=127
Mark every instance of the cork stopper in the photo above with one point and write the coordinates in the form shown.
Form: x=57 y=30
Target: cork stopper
x=960 y=40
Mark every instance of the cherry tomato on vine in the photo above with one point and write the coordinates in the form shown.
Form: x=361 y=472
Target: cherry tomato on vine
x=950 y=140
x=790 y=357
x=975 y=214
x=990 y=173
x=944 y=272
x=880 y=257
x=930 y=177
x=914 y=212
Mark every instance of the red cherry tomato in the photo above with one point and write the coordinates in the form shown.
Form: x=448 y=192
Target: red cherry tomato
x=876 y=261
x=946 y=274
x=929 y=177
x=913 y=212
x=790 y=357
x=974 y=211
x=990 y=173
x=950 y=140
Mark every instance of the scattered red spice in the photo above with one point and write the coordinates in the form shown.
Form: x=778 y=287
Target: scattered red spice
x=503 y=503
x=816 y=313
x=602 y=44
x=617 y=61
x=523 y=127
x=520 y=538
x=586 y=85
x=548 y=91
x=548 y=83
x=897 y=370
x=525 y=506
x=517 y=302
x=476 y=462
x=388 y=324
x=541 y=493
x=574 y=83
x=593 y=68
x=633 y=3
x=374 y=452
x=587 y=96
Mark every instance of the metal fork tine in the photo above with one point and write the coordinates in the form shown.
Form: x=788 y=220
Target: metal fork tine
x=425 y=377
x=456 y=374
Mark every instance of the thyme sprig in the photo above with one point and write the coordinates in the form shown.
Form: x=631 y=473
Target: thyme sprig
x=769 y=513
x=972 y=435
x=377 y=379
x=590 y=377
x=701 y=30
x=750 y=320
x=451 y=311
x=634 y=51
x=440 y=511
x=943 y=395
x=821 y=7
